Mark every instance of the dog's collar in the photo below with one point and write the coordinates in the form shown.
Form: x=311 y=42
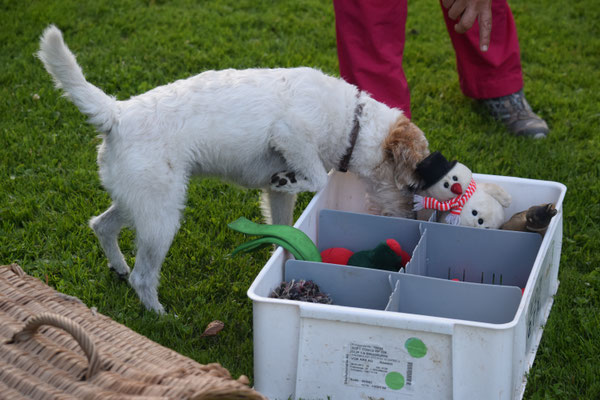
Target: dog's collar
x=343 y=167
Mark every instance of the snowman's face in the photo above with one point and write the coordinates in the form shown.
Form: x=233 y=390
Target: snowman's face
x=453 y=184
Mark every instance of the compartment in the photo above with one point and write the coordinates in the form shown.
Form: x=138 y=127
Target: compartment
x=492 y=256
x=347 y=286
x=433 y=297
x=358 y=232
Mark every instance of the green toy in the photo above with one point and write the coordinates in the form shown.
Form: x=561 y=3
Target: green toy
x=288 y=237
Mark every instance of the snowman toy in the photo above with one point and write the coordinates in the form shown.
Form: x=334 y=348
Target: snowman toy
x=449 y=187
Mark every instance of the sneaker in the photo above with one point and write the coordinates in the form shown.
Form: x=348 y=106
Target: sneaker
x=516 y=114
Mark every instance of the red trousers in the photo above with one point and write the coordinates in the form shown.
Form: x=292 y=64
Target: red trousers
x=370 y=42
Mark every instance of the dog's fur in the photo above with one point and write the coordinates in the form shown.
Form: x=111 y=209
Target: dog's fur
x=280 y=130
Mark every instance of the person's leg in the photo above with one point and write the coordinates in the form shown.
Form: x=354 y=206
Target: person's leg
x=370 y=43
x=496 y=72
x=495 y=77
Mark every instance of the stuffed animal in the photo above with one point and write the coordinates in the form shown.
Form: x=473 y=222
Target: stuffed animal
x=534 y=219
x=450 y=188
x=387 y=256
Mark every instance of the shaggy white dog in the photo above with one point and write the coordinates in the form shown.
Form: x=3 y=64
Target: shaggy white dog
x=280 y=130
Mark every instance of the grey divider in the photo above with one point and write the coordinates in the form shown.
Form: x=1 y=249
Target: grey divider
x=444 y=298
x=491 y=266
x=347 y=286
x=358 y=232
x=475 y=255
x=438 y=250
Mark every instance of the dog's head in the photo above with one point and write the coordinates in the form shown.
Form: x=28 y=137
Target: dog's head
x=396 y=179
x=404 y=147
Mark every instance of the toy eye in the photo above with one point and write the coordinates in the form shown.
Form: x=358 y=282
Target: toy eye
x=446 y=185
x=474 y=212
x=455 y=178
x=480 y=221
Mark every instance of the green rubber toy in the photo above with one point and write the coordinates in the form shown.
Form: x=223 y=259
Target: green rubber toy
x=288 y=237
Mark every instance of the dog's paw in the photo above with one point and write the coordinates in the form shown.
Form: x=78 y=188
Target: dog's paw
x=121 y=271
x=158 y=309
x=281 y=179
x=292 y=182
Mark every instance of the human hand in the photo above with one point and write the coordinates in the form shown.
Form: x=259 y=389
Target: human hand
x=466 y=11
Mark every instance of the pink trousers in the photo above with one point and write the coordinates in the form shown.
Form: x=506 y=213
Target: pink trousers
x=370 y=43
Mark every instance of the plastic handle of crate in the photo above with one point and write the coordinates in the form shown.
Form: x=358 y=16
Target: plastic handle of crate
x=73 y=328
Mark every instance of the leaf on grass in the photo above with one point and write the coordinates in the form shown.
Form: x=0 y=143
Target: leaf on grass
x=213 y=328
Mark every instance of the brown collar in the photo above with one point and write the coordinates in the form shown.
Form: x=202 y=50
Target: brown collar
x=343 y=167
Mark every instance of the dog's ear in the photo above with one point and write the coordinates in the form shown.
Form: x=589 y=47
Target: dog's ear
x=405 y=145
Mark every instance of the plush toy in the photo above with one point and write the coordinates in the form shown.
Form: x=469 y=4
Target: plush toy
x=534 y=219
x=450 y=188
x=387 y=256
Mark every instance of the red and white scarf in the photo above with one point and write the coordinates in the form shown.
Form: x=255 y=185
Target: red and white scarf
x=454 y=205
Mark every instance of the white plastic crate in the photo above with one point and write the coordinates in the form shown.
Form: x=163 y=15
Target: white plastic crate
x=418 y=334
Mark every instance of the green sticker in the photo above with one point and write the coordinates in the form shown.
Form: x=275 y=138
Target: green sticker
x=416 y=347
x=394 y=380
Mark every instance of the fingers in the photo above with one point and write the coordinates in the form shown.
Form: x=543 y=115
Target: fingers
x=456 y=8
x=466 y=20
x=466 y=12
x=485 y=28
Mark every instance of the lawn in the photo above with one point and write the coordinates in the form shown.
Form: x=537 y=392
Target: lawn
x=49 y=187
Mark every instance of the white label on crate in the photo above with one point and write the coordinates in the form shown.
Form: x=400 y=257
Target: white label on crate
x=385 y=368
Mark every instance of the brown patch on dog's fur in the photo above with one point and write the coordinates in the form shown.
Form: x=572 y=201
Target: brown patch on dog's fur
x=406 y=143
x=403 y=148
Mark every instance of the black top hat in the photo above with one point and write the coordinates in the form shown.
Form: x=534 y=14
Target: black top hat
x=433 y=168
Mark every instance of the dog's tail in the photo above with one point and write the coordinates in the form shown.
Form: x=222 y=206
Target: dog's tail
x=101 y=109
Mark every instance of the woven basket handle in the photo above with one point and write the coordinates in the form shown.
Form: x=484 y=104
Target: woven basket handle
x=58 y=321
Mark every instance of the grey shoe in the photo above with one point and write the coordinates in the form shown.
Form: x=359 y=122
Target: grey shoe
x=516 y=114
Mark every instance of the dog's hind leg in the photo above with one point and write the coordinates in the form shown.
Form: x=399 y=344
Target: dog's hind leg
x=277 y=207
x=154 y=234
x=107 y=227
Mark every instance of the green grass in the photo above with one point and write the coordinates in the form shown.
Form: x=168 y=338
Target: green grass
x=49 y=187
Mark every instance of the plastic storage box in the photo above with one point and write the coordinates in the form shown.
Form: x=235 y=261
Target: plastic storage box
x=463 y=321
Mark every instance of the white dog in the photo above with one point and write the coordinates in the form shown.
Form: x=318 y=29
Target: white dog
x=280 y=130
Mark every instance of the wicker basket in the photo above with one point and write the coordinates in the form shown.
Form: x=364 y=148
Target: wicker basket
x=54 y=347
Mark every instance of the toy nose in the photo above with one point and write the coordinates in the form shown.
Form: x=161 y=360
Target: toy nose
x=456 y=188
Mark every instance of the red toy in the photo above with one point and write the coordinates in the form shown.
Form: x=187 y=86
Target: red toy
x=387 y=255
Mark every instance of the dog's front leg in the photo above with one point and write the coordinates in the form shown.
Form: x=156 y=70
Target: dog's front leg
x=305 y=172
x=277 y=207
